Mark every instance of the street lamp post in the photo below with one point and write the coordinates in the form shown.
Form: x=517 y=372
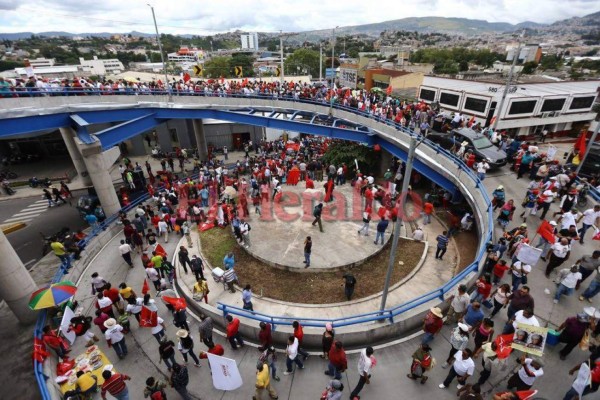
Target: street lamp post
x=398 y=223
x=320 y=61
x=281 y=75
x=332 y=69
x=162 y=57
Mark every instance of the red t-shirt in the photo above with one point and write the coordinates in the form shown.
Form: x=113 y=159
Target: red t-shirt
x=428 y=208
x=432 y=324
x=500 y=269
x=484 y=288
x=299 y=334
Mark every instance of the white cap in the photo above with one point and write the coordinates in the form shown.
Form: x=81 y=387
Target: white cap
x=553 y=223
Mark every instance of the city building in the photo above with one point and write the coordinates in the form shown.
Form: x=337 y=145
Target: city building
x=529 y=108
x=101 y=67
x=186 y=55
x=528 y=53
x=249 y=41
x=41 y=62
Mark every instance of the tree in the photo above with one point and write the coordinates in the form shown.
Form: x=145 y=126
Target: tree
x=529 y=67
x=463 y=66
x=550 y=61
x=244 y=61
x=306 y=59
x=217 y=67
x=339 y=153
x=6 y=65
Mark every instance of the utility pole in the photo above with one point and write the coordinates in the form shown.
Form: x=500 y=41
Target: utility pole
x=281 y=37
x=320 y=61
x=332 y=69
x=398 y=223
x=162 y=57
x=508 y=80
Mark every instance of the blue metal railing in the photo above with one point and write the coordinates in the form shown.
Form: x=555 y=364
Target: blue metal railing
x=389 y=313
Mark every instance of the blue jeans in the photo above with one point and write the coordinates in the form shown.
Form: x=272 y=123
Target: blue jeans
x=289 y=363
x=481 y=176
x=169 y=361
x=124 y=395
x=427 y=338
x=333 y=371
x=273 y=368
x=476 y=296
x=379 y=235
x=562 y=289
x=582 y=231
x=544 y=245
x=592 y=290
x=516 y=282
x=426 y=219
x=120 y=348
x=307 y=258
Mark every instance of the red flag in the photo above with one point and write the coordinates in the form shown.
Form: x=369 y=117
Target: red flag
x=186 y=77
x=160 y=250
x=176 y=302
x=492 y=121
x=148 y=318
x=145 y=287
x=547 y=232
x=245 y=82
x=471 y=121
x=504 y=345
x=388 y=91
x=580 y=143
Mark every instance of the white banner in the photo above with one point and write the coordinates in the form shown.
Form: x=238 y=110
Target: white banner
x=225 y=373
x=550 y=153
x=348 y=77
x=64 y=325
x=583 y=378
x=529 y=255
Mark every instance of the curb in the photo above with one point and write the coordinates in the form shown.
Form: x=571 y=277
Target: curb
x=10 y=228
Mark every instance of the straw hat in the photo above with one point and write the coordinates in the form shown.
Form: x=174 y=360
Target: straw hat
x=437 y=312
x=182 y=333
x=109 y=323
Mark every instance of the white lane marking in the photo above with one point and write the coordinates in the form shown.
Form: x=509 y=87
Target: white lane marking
x=28 y=213
x=19 y=219
x=41 y=201
x=30 y=262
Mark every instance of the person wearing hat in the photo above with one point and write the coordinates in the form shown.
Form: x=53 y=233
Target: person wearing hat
x=432 y=324
x=523 y=379
x=333 y=391
x=263 y=382
x=421 y=361
x=115 y=338
x=186 y=346
x=459 y=339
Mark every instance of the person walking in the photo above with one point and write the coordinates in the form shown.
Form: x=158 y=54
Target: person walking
x=459 y=339
x=366 y=219
x=263 y=382
x=381 y=228
x=442 y=245
x=163 y=229
x=153 y=275
x=197 y=267
x=299 y=334
x=338 y=363
x=247 y=298
x=307 y=251
x=205 y=329
x=567 y=280
x=291 y=352
x=428 y=211
x=265 y=338
x=349 y=284
x=572 y=331
x=115 y=385
x=591 y=217
x=421 y=361
x=233 y=334
x=317 y=211
x=158 y=331
x=593 y=289
x=432 y=324
x=523 y=379
x=327 y=340
x=154 y=386
x=60 y=251
x=245 y=231
x=487 y=361
x=587 y=265
x=200 y=290
x=186 y=346
x=180 y=318
x=269 y=357
x=125 y=250
x=115 y=338
x=458 y=305
x=364 y=371
x=482 y=168
x=184 y=259
x=463 y=367
x=166 y=350
x=501 y=298
x=179 y=380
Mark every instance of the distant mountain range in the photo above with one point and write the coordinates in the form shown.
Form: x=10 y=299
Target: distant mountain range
x=461 y=26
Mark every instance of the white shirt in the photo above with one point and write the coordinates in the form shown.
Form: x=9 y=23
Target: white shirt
x=520 y=318
x=162 y=226
x=560 y=250
x=364 y=363
x=370 y=179
x=158 y=327
x=244 y=228
x=482 y=167
x=104 y=302
x=567 y=220
x=521 y=269
x=549 y=196
x=590 y=216
x=463 y=367
x=418 y=235
x=125 y=248
x=292 y=349
x=135 y=308
x=152 y=274
x=570 y=278
x=114 y=334
x=528 y=380
x=460 y=302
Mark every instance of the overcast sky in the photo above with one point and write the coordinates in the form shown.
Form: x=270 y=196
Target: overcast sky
x=206 y=17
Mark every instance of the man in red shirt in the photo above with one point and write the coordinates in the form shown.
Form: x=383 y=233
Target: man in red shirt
x=432 y=324
x=114 y=296
x=299 y=334
x=498 y=273
x=338 y=362
x=215 y=349
x=427 y=212
x=233 y=334
x=264 y=336
x=115 y=385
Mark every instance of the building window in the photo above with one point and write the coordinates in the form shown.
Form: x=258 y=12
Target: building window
x=473 y=104
x=580 y=103
x=553 y=105
x=522 y=107
x=427 y=94
x=449 y=99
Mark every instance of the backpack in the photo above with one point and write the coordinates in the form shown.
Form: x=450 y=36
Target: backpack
x=157 y=394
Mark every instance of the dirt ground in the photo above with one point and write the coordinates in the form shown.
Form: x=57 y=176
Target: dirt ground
x=306 y=287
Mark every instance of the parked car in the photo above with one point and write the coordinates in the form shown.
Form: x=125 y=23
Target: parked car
x=477 y=142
